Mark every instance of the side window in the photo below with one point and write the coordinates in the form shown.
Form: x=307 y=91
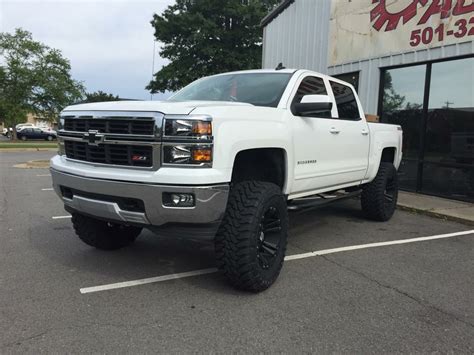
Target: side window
x=311 y=85
x=345 y=101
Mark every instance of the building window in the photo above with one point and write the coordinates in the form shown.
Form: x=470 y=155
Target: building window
x=449 y=141
x=345 y=101
x=434 y=104
x=351 y=78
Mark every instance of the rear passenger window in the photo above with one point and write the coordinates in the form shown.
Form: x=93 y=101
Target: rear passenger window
x=345 y=101
x=311 y=85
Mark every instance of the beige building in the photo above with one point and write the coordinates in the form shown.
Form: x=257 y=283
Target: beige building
x=412 y=63
x=37 y=121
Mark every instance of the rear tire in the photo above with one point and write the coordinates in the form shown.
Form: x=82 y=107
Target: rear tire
x=251 y=240
x=379 y=198
x=103 y=235
x=49 y=138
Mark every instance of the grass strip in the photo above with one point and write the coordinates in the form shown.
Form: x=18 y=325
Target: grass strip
x=28 y=145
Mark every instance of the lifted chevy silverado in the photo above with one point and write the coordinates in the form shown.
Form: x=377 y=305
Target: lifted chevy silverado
x=224 y=158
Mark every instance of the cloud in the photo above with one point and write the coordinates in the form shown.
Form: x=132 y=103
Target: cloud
x=109 y=42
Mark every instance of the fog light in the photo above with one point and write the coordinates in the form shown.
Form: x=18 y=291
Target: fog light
x=177 y=199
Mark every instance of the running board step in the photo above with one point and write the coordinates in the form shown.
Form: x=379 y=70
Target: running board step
x=319 y=200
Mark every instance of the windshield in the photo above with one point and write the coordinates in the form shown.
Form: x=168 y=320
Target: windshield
x=259 y=89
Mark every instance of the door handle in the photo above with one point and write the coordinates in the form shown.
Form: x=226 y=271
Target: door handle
x=334 y=130
x=364 y=132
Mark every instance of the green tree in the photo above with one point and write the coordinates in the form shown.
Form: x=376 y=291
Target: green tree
x=33 y=78
x=205 y=37
x=100 y=96
x=391 y=100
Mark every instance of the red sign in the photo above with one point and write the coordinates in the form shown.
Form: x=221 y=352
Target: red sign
x=436 y=9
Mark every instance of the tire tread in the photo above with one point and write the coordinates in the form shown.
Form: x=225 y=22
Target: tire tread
x=235 y=242
x=372 y=198
x=98 y=234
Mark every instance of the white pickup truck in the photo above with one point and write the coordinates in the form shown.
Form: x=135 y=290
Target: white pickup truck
x=226 y=158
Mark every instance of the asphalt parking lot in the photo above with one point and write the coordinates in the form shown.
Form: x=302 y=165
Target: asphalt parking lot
x=409 y=297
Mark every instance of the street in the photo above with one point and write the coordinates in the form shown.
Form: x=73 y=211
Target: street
x=407 y=297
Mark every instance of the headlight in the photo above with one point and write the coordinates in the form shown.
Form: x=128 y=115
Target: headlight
x=60 y=123
x=187 y=128
x=188 y=141
x=187 y=154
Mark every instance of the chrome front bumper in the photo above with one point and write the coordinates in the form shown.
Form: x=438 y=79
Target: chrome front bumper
x=210 y=202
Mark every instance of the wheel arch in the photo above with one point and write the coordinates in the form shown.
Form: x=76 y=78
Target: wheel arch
x=388 y=155
x=384 y=154
x=262 y=164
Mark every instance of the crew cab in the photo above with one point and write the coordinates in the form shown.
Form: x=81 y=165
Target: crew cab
x=224 y=158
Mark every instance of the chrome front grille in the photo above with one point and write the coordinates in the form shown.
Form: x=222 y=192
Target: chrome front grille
x=126 y=139
x=115 y=154
x=119 y=126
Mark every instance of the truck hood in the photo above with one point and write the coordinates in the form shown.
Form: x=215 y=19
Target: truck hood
x=166 y=107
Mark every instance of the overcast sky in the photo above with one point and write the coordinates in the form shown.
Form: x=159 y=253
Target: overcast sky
x=109 y=42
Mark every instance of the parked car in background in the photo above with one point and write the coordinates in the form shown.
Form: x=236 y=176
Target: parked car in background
x=21 y=126
x=7 y=132
x=35 y=133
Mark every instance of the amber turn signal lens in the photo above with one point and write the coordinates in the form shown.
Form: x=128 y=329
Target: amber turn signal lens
x=202 y=155
x=202 y=128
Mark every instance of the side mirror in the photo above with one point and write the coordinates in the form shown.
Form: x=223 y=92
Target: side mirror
x=311 y=105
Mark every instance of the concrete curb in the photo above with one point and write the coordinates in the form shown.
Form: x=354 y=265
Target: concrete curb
x=33 y=164
x=435 y=214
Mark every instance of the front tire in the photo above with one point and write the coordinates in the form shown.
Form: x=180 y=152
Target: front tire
x=379 y=197
x=251 y=241
x=23 y=138
x=103 y=235
x=49 y=138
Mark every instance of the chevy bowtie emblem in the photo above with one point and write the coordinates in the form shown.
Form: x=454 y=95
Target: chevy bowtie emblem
x=93 y=137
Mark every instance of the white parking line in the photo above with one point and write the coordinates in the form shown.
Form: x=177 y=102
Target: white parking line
x=288 y=258
x=41 y=175
x=148 y=280
x=374 y=245
x=47 y=189
x=61 y=217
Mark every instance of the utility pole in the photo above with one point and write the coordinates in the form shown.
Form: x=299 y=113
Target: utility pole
x=153 y=64
x=448 y=103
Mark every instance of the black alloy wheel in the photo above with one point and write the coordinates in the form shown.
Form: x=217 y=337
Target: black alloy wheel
x=391 y=189
x=268 y=243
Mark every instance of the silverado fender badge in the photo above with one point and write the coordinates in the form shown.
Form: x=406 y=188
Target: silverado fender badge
x=302 y=162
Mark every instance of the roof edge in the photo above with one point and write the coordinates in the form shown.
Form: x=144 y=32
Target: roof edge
x=275 y=12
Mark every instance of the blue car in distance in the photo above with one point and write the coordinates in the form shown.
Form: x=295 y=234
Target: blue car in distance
x=36 y=133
